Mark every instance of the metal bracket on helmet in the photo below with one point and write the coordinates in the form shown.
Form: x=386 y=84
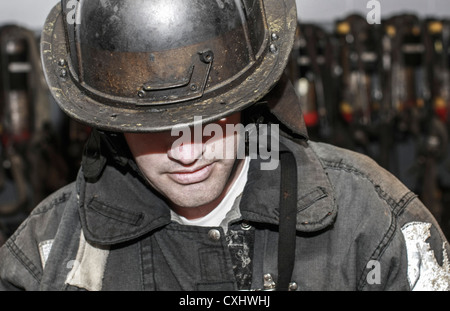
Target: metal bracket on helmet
x=191 y=86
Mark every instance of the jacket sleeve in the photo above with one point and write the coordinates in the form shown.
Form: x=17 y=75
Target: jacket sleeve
x=20 y=257
x=427 y=249
x=414 y=254
x=17 y=272
x=23 y=256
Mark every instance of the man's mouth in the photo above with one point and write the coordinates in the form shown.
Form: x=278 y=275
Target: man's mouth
x=192 y=176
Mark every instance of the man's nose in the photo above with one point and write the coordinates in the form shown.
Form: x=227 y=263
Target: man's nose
x=186 y=153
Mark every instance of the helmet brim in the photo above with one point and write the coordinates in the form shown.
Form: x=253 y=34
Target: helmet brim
x=79 y=105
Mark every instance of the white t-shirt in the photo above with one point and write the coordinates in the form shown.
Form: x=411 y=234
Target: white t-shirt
x=217 y=215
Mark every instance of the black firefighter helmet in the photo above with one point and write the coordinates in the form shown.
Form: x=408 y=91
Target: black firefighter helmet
x=147 y=65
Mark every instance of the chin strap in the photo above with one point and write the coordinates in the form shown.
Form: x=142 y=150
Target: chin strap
x=288 y=220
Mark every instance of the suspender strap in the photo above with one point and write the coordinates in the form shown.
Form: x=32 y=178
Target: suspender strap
x=288 y=220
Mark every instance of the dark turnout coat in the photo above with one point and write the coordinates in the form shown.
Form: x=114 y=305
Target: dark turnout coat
x=358 y=228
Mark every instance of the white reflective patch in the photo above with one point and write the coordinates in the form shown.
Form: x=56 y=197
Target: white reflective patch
x=44 y=250
x=424 y=272
x=89 y=266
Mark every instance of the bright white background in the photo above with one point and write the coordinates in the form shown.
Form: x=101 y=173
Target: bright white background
x=32 y=13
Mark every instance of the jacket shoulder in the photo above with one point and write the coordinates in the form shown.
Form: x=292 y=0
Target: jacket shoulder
x=361 y=184
x=55 y=200
x=355 y=167
x=44 y=219
x=21 y=257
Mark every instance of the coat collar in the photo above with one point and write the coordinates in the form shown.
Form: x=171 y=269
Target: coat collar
x=316 y=208
x=120 y=206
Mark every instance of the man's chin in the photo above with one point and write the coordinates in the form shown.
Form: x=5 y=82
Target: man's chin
x=195 y=195
x=192 y=203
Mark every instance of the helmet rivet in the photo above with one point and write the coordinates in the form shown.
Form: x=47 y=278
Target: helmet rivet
x=62 y=62
x=193 y=87
x=274 y=36
x=141 y=94
x=273 y=48
x=207 y=56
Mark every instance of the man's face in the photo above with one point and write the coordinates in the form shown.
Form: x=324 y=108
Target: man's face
x=189 y=174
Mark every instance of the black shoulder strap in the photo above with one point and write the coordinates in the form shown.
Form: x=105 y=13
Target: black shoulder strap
x=288 y=220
